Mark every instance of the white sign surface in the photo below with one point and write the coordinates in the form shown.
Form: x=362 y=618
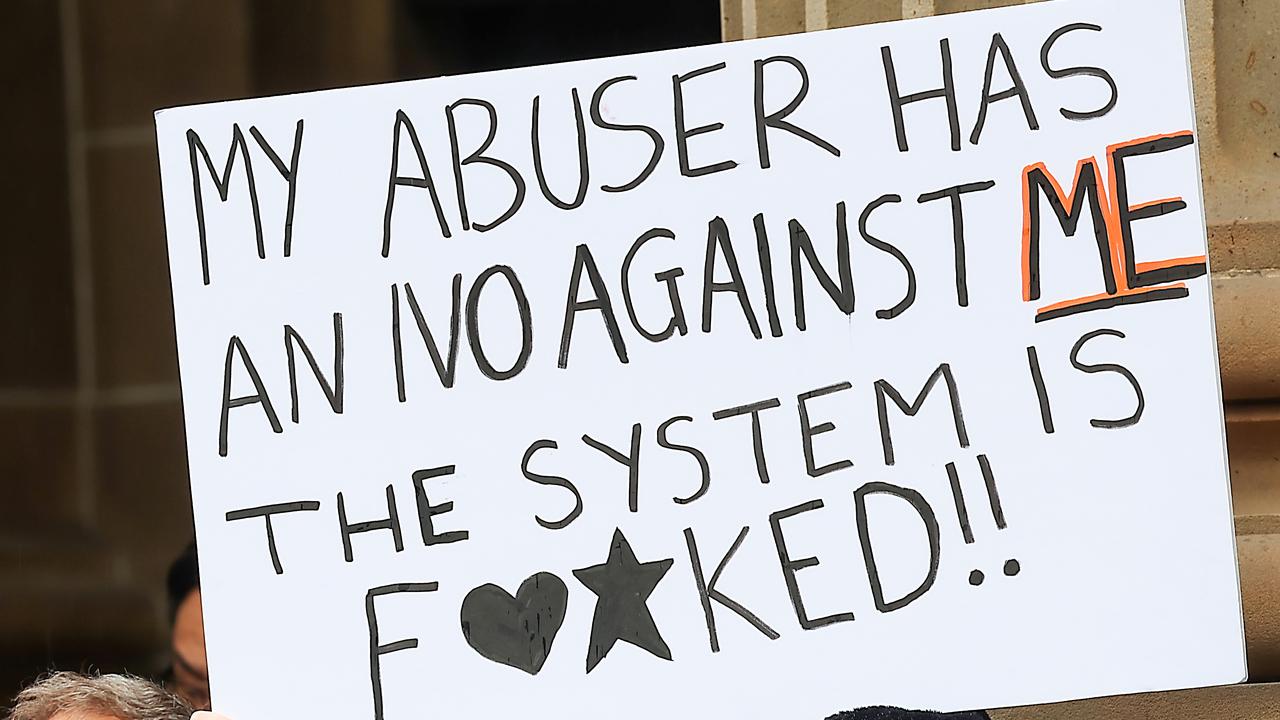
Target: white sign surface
x=767 y=379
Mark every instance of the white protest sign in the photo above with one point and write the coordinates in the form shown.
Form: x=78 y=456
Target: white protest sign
x=767 y=379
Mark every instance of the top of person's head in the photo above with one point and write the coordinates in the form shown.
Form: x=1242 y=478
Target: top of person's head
x=184 y=578
x=73 y=696
x=892 y=713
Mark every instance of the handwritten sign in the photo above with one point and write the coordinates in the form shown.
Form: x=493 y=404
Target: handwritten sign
x=769 y=379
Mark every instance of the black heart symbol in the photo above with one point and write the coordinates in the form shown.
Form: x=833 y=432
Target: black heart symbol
x=516 y=631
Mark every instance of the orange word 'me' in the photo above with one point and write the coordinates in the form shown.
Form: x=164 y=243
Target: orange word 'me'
x=1126 y=281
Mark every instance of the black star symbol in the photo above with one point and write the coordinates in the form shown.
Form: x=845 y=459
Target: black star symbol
x=622 y=586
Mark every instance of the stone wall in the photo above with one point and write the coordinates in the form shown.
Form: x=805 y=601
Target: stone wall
x=93 y=490
x=93 y=480
x=1237 y=81
x=93 y=494
x=1236 y=66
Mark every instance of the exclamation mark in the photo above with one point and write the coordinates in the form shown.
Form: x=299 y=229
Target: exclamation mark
x=1046 y=412
x=1011 y=567
x=993 y=495
x=957 y=494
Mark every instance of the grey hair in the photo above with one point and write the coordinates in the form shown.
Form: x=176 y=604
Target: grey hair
x=115 y=696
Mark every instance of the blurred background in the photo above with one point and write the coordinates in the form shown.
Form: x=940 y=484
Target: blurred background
x=93 y=491
x=93 y=481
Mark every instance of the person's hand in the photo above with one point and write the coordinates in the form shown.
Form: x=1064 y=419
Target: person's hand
x=205 y=715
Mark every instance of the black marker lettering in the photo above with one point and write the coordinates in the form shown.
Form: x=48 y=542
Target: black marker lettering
x=683 y=135
x=718 y=241
x=526 y=323
x=376 y=648
x=427 y=511
x=1086 y=189
x=909 y=298
x=790 y=567
x=1108 y=367
x=807 y=431
x=1128 y=215
x=707 y=590
x=697 y=454
x=1111 y=301
x=654 y=136
x=917 y=502
x=993 y=495
x=885 y=390
x=630 y=460
x=391 y=522
x=196 y=150
x=553 y=480
x=957 y=230
x=1042 y=394
x=766 y=274
x=1081 y=70
x=962 y=510
x=289 y=173
x=236 y=347
x=776 y=119
x=396 y=180
x=332 y=392
x=669 y=277
x=446 y=370
x=265 y=512
x=948 y=92
x=801 y=246
x=584 y=172
x=478 y=156
x=1019 y=89
x=757 y=437
x=583 y=259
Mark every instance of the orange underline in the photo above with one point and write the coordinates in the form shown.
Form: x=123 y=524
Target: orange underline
x=1104 y=296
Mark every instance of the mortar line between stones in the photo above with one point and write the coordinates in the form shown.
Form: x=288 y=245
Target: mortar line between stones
x=127 y=136
x=918 y=8
x=816 y=16
x=81 y=259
